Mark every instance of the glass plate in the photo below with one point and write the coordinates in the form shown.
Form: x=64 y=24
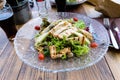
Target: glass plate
x=24 y=45
x=72 y=3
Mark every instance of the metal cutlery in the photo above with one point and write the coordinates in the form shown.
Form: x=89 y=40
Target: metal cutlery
x=116 y=32
x=112 y=37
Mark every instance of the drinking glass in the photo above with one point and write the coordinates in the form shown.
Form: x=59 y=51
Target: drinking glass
x=22 y=11
x=61 y=5
x=7 y=22
x=43 y=7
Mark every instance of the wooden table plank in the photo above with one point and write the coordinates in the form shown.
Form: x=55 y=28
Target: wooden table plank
x=29 y=73
x=13 y=71
x=10 y=64
x=3 y=40
x=100 y=71
x=113 y=59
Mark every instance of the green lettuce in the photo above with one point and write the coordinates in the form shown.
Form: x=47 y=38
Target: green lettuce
x=80 y=24
x=75 y=46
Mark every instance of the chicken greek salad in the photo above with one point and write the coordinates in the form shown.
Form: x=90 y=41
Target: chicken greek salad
x=63 y=39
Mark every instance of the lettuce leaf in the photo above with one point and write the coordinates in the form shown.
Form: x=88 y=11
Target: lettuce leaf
x=77 y=49
x=80 y=50
x=80 y=24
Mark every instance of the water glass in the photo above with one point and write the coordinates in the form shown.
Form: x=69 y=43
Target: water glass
x=7 y=22
x=43 y=7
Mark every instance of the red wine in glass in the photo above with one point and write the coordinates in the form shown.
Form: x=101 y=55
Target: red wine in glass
x=7 y=22
x=61 y=5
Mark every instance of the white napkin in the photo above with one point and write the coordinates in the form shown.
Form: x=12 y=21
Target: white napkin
x=110 y=8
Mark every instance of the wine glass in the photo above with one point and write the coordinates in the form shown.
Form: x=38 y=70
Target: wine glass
x=7 y=22
x=61 y=5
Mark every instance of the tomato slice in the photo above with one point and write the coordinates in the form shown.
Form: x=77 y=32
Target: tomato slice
x=93 y=45
x=41 y=56
x=39 y=0
x=75 y=19
x=87 y=29
x=37 y=27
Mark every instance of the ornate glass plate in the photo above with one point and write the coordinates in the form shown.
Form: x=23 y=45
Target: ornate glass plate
x=24 y=45
x=72 y=3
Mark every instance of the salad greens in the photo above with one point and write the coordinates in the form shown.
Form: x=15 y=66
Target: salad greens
x=63 y=39
x=80 y=24
x=71 y=1
x=76 y=47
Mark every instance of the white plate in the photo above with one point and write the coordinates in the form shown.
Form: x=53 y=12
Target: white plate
x=24 y=46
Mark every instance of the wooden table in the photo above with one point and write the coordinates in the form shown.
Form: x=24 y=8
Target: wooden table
x=12 y=68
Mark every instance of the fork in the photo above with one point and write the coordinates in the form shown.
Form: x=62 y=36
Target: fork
x=107 y=25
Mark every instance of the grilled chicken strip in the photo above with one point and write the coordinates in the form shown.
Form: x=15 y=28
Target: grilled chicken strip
x=67 y=32
x=87 y=34
x=55 y=34
x=80 y=39
x=80 y=35
x=50 y=26
x=53 y=53
x=65 y=51
x=61 y=24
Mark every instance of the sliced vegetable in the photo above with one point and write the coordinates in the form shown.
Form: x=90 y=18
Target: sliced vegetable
x=93 y=45
x=50 y=26
x=87 y=29
x=40 y=38
x=64 y=56
x=45 y=22
x=75 y=19
x=41 y=56
x=37 y=27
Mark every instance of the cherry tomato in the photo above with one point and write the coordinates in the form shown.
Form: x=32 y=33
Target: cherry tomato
x=93 y=45
x=87 y=29
x=75 y=19
x=37 y=27
x=41 y=56
x=39 y=0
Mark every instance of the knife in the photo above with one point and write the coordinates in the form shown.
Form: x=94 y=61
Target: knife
x=116 y=32
x=114 y=42
x=108 y=27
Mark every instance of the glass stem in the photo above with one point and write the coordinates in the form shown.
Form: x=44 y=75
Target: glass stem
x=38 y=9
x=17 y=2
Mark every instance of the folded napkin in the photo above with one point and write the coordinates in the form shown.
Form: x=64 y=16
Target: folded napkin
x=110 y=8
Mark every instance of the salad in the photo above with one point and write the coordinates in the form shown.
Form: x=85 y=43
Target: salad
x=71 y=1
x=62 y=39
